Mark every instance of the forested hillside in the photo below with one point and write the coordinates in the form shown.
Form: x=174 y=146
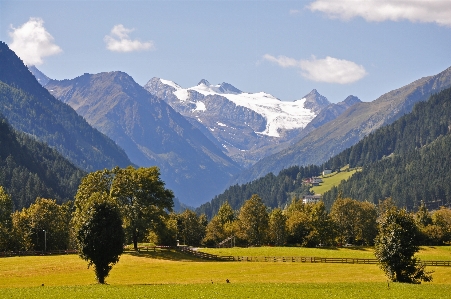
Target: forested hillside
x=408 y=160
x=30 y=108
x=275 y=191
x=30 y=169
x=350 y=127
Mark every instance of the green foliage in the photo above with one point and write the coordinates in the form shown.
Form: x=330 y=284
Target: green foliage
x=277 y=232
x=275 y=191
x=253 y=221
x=46 y=215
x=101 y=238
x=355 y=221
x=441 y=226
x=139 y=193
x=396 y=244
x=309 y=224
x=221 y=226
x=190 y=228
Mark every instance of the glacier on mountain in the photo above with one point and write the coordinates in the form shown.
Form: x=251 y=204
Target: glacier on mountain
x=279 y=115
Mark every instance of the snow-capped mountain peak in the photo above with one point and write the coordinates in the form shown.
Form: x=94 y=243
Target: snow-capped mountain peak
x=278 y=115
x=204 y=82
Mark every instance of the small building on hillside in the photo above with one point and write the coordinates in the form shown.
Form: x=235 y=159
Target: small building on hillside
x=327 y=171
x=311 y=198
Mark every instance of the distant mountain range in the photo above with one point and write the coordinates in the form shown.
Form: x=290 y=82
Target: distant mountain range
x=248 y=126
x=203 y=137
x=30 y=108
x=150 y=132
x=348 y=128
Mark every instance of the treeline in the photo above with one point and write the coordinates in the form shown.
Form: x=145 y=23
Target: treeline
x=51 y=226
x=275 y=191
x=30 y=169
x=408 y=161
x=349 y=222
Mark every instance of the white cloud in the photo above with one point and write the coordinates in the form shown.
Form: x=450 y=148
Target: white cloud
x=294 y=11
x=427 y=11
x=329 y=69
x=282 y=61
x=31 y=42
x=119 y=41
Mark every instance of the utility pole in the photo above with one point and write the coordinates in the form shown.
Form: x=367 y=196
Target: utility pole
x=45 y=240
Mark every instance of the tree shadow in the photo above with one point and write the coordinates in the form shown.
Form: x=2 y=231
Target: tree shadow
x=166 y=254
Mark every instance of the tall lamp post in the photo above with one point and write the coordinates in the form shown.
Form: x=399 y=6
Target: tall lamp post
x=45 y=240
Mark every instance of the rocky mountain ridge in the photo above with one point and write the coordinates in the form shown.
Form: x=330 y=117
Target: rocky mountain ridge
x=150 y=132
x=349 y=127
x=30 y=108
x=248 y=126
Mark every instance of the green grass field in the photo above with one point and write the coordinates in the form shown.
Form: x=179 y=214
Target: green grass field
x=440 y=253
x=331 y=180
x=165 y=274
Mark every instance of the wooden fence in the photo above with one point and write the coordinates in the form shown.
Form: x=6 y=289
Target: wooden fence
x=208 y=256
x=301 y=259
x=200 y=254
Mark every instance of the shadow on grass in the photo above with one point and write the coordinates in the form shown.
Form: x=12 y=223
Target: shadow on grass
x=359 y=248
x=166 y=254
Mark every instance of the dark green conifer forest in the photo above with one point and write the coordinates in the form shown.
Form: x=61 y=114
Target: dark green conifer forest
x=409 y=160
x=30 y=169
x=275 y=191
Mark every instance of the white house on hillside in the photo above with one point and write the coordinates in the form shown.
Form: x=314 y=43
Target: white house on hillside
x=311 y=198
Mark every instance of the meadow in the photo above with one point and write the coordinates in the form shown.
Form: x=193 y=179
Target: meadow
x=333 y=179
x=168 y=274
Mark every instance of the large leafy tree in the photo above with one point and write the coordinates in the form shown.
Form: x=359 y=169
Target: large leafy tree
x=221 y=226
x=140 y=194
x=253 y=221
x=355 y=221
x=191 y=228
x=277 y=227
x=309 y=224
x=396 y=244
x=442 y=222
x=101 y=238
x=323 y=228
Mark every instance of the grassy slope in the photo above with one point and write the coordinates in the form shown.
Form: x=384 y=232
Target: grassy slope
x=170 y=275
x=331 y=180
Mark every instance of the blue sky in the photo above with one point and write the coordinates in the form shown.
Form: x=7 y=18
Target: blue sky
x=285 y=48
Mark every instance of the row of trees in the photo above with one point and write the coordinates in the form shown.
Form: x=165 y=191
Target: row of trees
x=349 y=221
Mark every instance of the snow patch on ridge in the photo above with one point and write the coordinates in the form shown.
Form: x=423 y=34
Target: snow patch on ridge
x=200 y=106
x=171 y=83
